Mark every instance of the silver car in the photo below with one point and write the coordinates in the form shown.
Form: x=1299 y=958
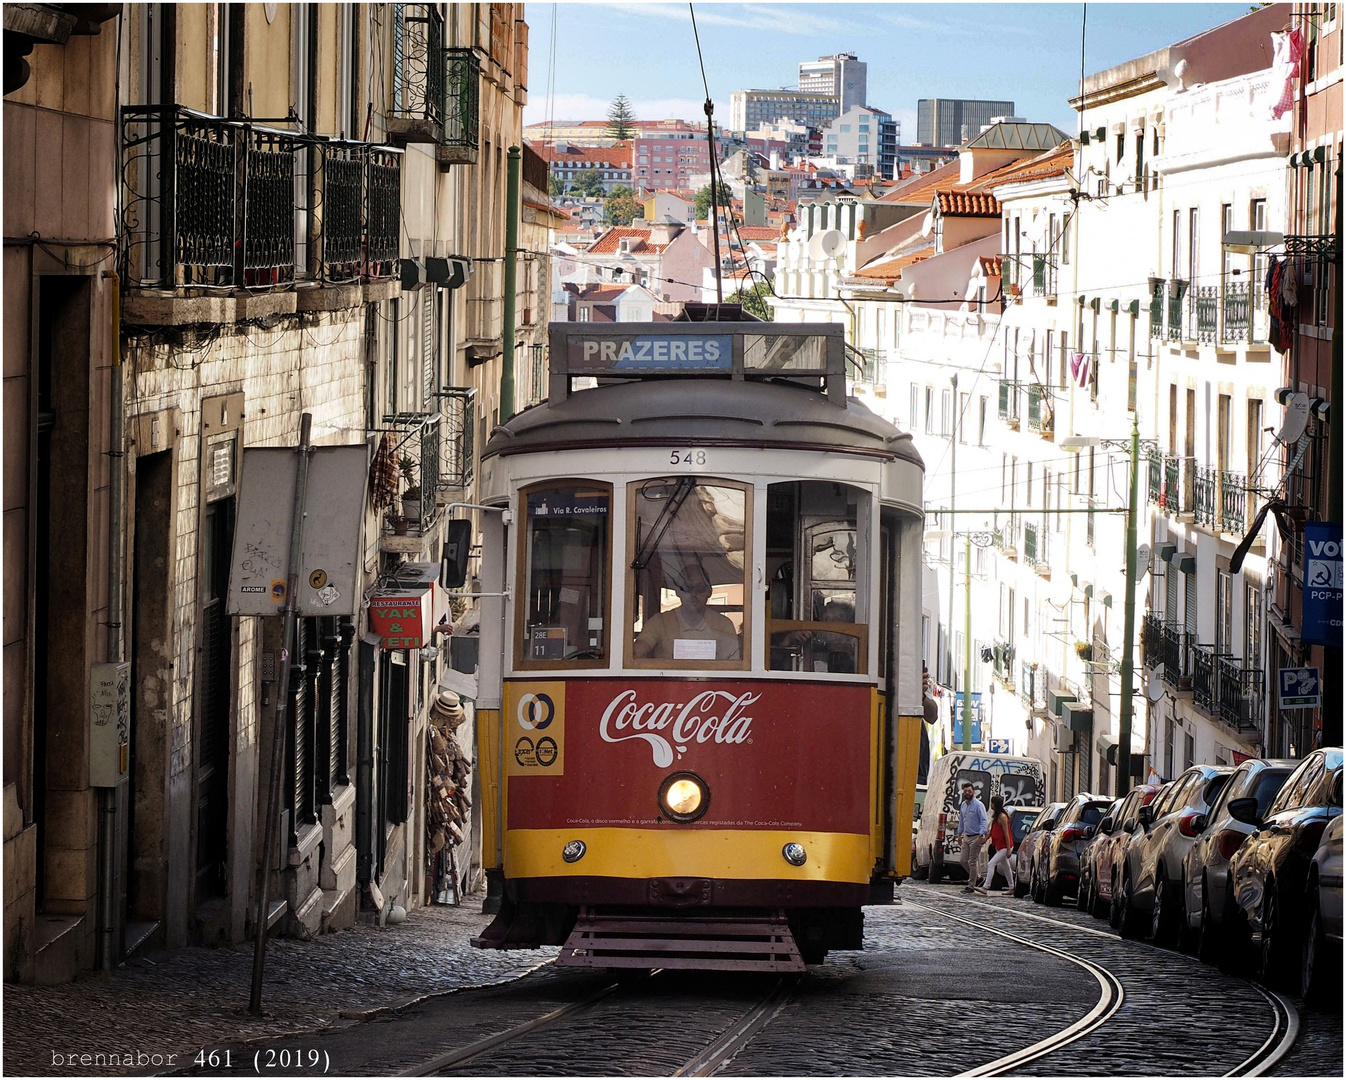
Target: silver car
x=1208 y=900
x=1321 y=970
x=1169 y=830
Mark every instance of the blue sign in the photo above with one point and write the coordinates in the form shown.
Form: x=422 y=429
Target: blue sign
x=958 y=718
x=653 y=353
x=1322 y=584
x=1300 y=688
x=999 y=746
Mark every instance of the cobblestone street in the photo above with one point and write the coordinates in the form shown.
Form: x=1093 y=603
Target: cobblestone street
x=177 y=1002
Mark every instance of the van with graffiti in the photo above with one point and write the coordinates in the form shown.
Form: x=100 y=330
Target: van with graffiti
x=1018 y=780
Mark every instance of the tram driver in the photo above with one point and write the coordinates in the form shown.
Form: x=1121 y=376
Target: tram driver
x=675 y=634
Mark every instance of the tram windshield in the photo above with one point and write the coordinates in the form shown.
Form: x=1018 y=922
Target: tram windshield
x=815 y=560
x=567 y=539
x=688 y=562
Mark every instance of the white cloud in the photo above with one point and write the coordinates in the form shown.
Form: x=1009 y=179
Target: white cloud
x=790 y=20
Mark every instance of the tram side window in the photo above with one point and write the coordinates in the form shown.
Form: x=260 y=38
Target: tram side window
x=815 y=564
x=688 y=578
x=567 y=539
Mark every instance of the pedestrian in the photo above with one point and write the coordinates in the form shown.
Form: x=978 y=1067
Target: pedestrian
x=1002 y=838
x=972 y=830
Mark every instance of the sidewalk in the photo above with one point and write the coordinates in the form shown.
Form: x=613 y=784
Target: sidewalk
x=179 y=1001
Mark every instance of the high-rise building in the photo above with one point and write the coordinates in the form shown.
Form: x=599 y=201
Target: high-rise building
x=863 y=136
x=952 y=121
x=752 y=109
x=842 y=76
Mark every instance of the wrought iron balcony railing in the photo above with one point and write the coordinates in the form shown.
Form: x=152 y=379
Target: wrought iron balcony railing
x=1040 y=419
x=1044 y=275
x=1236 y=312
x=417 y=111
x=1152 y=639
x=1033 y=685
x=1035 y=546
x=462 y=108
x=1155 y=473
x=1204 y=691
x=1205 y=509
x=1002 y=654
x=1239 y=693
x=458 y=406
x=1177 y=290
x=1233 y=502
x=1009 y=402
x=1205 y=314
x=1177 y=656
x=211 y=203
x=1156 y=307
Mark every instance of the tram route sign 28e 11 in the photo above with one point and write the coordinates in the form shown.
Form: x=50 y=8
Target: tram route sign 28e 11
x=650 y=354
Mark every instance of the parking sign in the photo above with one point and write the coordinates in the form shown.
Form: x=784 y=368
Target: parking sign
x=1300 y=688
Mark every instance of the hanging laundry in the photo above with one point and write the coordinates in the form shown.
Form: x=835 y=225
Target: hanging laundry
x=1289 y=286
x=1286 y=50
x=1079 y=369
x=1275 y=270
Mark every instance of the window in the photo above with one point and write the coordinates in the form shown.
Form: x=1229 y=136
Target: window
x=1192 y=235
x=816 y=568
x=929 y=411
x=946 y=412
x=1224 y=613
x=1252 y=624
x=962 y=412
x=1177 y=243
x=1121 y=145
x=1140 y=159
x=565 y=557
x=915 y=407
x=981 y=422
x=688 y=577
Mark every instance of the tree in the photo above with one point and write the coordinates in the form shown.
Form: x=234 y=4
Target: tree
x=753 y=300
x=723 y=194
x=622 y=207
x=621 y=120
x=588 y=183
x=555 y=186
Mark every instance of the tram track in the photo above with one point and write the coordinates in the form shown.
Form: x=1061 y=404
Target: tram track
x=1259 y=1062
x=705 y=1062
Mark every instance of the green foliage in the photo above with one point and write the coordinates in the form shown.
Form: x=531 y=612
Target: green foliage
x=555 y=186
x=588 y=183
x=754 y=300
x=622 y=207
x=723 y=193
x=621 y=119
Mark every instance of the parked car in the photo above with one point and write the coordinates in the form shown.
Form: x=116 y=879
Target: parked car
x=1208 y=897
x=1271 y=869
x=1062 y=848
x=1320 y=973
x=1095 y=838
x=1018 y=780
x=1021 y=820
x=1031 y=846
x=1125 y=870
x=1106 y=851
x=1154 y=888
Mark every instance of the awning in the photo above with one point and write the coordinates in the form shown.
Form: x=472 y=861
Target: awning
x=448 y=273
x=1104 y=743
x=1179 y=560
x=1166 y=551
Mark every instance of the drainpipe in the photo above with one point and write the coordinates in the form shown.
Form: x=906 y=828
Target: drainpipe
x=512 y=174
x=107 y=797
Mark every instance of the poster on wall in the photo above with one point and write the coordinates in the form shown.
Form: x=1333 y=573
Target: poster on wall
x=1322 y=584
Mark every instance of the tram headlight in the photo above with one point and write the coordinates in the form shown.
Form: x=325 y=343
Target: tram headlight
x=794 y=854
x=684 y=796
x=573 y=851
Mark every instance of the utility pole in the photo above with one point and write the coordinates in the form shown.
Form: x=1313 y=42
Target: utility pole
x=953 y=477
x=513 y=169
x=1129 y=625
x=967 y=641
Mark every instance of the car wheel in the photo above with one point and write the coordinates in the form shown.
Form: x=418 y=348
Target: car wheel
x=1130 y=923
x=1082 y=895
x=1096 y=907
x=1319 y=969
x=1236 y=938
x=936 y=870
x=1020 y=886
x=1115 y=905
x=1270 y=956
x=919 y=872
x=1161 y=920
x=1039 y=893
x=1053 y=892
x=1208 y=936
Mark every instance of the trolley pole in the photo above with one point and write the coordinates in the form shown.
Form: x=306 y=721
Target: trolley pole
x=1129 y=625
x=967 y=642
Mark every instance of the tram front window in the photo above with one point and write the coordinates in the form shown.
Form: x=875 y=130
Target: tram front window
x=815 y=558
x=567 y=540
x=687 y=573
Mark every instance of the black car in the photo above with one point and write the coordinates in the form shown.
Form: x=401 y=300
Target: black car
x=1060 y=868
x=1271 y=870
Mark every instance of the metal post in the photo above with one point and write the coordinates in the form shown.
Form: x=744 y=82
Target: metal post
x=1129 y=625
x=714 y=200
x=512 y=172
x=953 y=475
x=967 y=642
x=278 y=732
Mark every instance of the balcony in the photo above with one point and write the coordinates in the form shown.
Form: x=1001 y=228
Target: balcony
x=417 y=111
x=1204 y=314
x=1152 y=640
x=1002 y=656
x=1206 y=492
x=1237 y=312
x=1009 y=403
x=1156 y=307
x=458 y=404
x=1176 y=291
x=462 y=108
x=1035 y=549
x=1033 y=686
x=1239 y=694
x=1040 y=419
x=1204 y=690
x=1177 y=656
x=215 y=205
x=1044 y=276
x=1155 y=472
x=1233 y=502
x=1231 y=313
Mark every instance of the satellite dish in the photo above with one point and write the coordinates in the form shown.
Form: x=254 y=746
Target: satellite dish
x=1142 y=560
x=1062 y=589
x=832 y=243
x=1296 y=418
x=927 y=224
x=1154 y=684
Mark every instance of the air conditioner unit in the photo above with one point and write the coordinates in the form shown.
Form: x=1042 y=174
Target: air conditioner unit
x=1063 y=740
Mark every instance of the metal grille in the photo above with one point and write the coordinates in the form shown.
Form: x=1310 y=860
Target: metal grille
x=460 y=421
x=418 y=63
x=1236 y=311
x=1204 y=490
x=325 y=708
x=429 y=365
x=1233 y=501
x=383 y=211
x=302 y=810
x=1176 y=291
x=1156 y=308
x=1205 y=309
x=341 y=670
x=202 y=176
x=268 y=238
x=462 y=106
x=343 y=181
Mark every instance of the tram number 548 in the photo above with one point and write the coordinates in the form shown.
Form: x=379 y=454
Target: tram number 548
x=687 y=457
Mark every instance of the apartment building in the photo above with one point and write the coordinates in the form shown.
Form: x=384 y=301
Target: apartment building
x=308 y=213
x=953 y=121
x=841 y=75
x=753 y=109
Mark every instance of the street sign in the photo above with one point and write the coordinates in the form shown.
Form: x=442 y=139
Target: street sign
x=1000 y=746
x=1322 y=583
x=958 y=719
x=1300 y=688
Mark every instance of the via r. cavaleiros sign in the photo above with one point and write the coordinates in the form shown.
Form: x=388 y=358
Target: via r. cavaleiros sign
x=1322 y=584
x=652 y=354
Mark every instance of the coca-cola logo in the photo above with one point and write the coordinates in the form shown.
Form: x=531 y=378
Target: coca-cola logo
x=669 y=727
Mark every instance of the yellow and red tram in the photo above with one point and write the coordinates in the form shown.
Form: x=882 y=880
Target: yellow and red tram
x=700 y=746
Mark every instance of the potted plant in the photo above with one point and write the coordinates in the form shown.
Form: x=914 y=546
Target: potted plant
x=411 y=498
x=1084 y=650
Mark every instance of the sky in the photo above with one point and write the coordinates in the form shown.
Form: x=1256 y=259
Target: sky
x=1022 y=52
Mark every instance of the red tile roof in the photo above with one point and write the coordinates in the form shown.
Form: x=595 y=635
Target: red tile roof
x=618 y=156
x=758 y=232
x=990 y=266
x=609 y=242
x=956 y=203
x=1052 y=163
x=919 y=189
x=891 y=269
x=602 y=293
